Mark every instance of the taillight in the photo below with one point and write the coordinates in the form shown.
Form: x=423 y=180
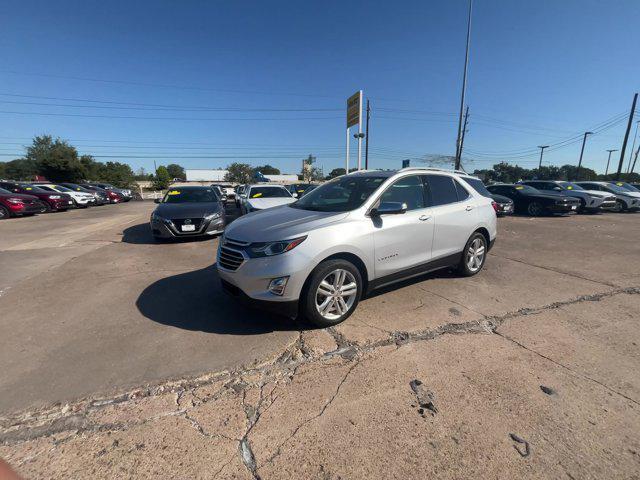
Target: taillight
x=495 y=206
x=15 y=201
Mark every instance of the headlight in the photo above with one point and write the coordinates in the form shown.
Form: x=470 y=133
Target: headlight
x=55 y=197
x=268 y=249
x=212 y=216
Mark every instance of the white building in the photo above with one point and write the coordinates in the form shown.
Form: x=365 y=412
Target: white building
x=217 y=175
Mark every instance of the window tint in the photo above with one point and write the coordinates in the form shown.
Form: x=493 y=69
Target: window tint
x=342 y=194
x=407 y=190
x=462 y=193
x=443 y=191
x=479 y=186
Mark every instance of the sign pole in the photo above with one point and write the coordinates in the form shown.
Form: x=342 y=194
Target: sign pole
x=360 y=132
x=346 y=166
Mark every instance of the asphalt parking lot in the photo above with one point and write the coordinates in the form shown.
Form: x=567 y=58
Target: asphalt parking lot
x=93 y=308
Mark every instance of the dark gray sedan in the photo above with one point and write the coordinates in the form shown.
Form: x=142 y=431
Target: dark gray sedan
x=188 y=212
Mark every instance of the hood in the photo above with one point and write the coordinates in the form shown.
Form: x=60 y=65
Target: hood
x=279 y=223
x=501 y=198
x=28 y=198
x=598 y=193
x=263 y=203
x=187 y=210
x=628 y=194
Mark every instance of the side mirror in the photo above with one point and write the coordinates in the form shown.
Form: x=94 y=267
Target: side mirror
x=157 y=200
x=389 y=208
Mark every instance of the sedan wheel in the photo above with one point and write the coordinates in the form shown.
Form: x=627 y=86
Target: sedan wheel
x=4 y=213
x=534 y=209
x=619 y=207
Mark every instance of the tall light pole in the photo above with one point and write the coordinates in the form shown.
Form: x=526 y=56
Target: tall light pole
x=608 y=160
x=626 y=136
x=584 y=140
x=464 y=89
x=541 y=147
x=633 y=145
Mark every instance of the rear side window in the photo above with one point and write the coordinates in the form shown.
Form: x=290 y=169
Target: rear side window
x=462 y=193
x=443 y=190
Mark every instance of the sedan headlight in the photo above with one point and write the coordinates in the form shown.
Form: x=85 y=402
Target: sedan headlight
x=212 y=216
x=55 y=197
x=269 y=249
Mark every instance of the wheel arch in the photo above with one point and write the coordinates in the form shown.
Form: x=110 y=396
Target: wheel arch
x=485 y=234
x=348 y=256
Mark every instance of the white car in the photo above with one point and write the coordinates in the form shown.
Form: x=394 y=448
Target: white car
x=81 y=199
x=261 y=196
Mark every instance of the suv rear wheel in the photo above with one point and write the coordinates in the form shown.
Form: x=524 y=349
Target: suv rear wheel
x=333 y=293
x=473 y=255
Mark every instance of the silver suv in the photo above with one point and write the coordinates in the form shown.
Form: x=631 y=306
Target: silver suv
x=318 y=256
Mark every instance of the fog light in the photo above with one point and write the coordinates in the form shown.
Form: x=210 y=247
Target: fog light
x=277 y=285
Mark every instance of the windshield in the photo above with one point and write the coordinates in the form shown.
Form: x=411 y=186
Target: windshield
x=62 y=189
x=526 y=189
x=626 y=186
x=340 y=195
x=268 y=192
x=190 y=195
x=33 y=188
x=2 y=190
x=478 y=186
x=571 y=186
x=615 y=188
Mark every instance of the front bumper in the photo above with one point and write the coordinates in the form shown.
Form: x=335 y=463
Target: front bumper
x=563 y=208
x=286 y=308
x=167 y=229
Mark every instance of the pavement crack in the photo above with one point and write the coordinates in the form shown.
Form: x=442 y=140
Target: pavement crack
x=569 y=369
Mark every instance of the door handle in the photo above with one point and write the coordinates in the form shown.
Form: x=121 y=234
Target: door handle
x=469 y=208
x=424 y=218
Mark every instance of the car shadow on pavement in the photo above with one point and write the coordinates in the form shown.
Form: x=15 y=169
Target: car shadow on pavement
x=195 y=301
x=141 y=235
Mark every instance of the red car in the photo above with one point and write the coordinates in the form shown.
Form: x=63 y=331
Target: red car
x=51 y=201
x=16 y=204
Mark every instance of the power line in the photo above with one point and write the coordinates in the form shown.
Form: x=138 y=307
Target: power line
x=48 y=114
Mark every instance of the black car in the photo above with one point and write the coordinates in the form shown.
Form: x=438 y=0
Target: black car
x=188 y=212
x=528 y=200
x=502 y=205
x=588 y=203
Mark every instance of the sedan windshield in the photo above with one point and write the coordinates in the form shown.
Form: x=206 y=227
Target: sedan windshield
x=190 y=195
x=269 y=192
x=615 y=188
x=340 y=195
x=33 y=188
x=627 y=186
x=3 y=191
x=571 y=186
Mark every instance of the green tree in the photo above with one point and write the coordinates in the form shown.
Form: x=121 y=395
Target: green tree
x=117 y=174
x=336 y=172
x=20 y=169
x=267 y=170
x=570 y=172
x=56 y=159
x=176 y=171
x=162 y=179
x=239 y=173
x=91 y=167
x=3 y=169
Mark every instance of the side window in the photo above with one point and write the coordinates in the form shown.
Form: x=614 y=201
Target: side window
x=443 y=191
x=462 y=192
x=407 y=190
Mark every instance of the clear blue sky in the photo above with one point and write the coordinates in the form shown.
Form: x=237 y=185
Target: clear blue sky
x=266 y=82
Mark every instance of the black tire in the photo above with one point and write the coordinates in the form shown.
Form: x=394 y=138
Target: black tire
x=4 y=213
x=46 y=208
x=464 y=267
x=308 y=309
x=535 y=209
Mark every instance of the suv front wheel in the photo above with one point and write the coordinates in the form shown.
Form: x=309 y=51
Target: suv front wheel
x=332 y=294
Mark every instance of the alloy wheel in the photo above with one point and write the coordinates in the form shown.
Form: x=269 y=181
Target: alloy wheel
x=475 y=255
x=336 y=294
x=535 y=209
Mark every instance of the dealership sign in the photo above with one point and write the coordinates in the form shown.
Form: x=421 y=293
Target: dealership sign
x=354 y=109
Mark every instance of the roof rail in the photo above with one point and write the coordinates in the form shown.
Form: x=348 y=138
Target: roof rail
x=436 y=169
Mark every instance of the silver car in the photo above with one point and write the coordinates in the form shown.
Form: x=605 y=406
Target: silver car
x=318 y=256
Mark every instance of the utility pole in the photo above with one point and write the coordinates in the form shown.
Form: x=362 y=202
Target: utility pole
x=464 y=129
x=635 y=159
x=633 y=145
x=584 y=140
x=608 y=160
x=366 y=145
x=541 y=147
x=626 y=136
x=464 y=89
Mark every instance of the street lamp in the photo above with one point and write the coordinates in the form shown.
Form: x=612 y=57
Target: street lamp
x=541 y=147
x=608 y=160
x=584 y=140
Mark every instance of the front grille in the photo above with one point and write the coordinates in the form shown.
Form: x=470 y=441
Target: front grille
x=178 y=222
x=230 y=259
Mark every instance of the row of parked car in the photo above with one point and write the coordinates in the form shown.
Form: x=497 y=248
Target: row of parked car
x=539 y=197
x=24 y=199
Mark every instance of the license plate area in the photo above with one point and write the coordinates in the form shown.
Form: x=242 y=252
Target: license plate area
x=188 y=228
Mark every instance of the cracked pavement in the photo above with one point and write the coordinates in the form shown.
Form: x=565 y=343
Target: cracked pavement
x=529 y=369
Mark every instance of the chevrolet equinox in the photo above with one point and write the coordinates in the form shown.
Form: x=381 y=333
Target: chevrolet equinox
x=318 y=256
